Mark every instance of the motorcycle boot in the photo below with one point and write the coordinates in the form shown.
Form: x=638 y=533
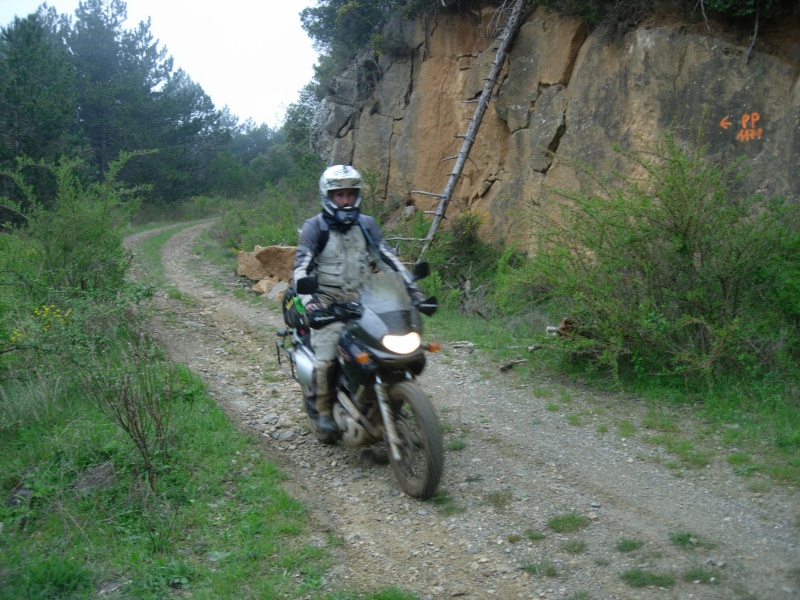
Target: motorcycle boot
x=324 y=403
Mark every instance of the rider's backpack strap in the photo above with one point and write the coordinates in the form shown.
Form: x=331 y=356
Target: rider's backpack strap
x=324 y=232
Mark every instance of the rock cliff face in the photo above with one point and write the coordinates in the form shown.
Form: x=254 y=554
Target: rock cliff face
x=567 y=95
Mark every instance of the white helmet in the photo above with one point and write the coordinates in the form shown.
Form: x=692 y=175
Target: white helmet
x=340 y=177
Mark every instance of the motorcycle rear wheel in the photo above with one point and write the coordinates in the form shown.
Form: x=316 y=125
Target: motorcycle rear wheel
x=422 y=458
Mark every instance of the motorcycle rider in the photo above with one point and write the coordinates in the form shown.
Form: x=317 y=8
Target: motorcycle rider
x=338 y=245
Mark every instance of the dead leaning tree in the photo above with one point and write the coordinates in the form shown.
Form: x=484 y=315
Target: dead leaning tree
x=509 y=32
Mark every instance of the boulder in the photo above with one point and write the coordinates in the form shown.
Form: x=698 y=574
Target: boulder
x=267 y=262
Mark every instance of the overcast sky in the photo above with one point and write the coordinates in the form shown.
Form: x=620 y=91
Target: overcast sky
x=249 y=54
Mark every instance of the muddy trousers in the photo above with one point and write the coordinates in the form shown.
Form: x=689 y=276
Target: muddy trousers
x=324 y=342
x=321 y=399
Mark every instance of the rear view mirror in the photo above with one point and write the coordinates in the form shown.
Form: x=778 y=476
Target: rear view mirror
x=421 y=270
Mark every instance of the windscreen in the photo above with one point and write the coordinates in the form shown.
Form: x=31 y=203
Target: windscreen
x=385 y=292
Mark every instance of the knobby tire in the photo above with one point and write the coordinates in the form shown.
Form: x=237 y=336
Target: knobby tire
x=422 y=462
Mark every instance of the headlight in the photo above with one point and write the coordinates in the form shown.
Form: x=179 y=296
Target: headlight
x=402 y=344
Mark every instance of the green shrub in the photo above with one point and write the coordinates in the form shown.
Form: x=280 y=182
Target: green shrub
x=674 y=275
x=274 y=217
x=73 y=242
x=463 y=264
x=62 y=264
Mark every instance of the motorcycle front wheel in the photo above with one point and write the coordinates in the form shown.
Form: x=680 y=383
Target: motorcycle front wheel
x=421 y=455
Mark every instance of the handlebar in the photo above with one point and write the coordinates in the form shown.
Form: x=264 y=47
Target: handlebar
x=346 y=311
x=335 y=311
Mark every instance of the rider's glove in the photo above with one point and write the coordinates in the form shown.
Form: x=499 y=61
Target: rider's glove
x=317 y=315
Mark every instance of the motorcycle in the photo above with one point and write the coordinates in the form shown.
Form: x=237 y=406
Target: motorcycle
x=380 y=354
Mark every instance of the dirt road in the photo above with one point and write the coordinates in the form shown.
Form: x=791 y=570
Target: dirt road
x=518 y=455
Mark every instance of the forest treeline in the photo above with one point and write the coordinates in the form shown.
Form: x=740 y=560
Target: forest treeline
x=84 y=87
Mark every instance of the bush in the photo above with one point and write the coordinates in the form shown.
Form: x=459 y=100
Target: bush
x=61 y=261
x=271 y=219
x=462 y=264
x=75 y=244
x=675 y=274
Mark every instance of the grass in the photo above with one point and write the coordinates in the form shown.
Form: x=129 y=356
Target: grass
x=457 y=444
x=688 y=540
x=660 y=420
x=629 y=545
x=743 y=464
x=568 y=522
x=534 y=535
x=698 y=574
x=626 y=429
x=542 y=567
x=445 y=504
x=501 y=500
x=575 y=546
x=574 y=419
x=640 y=578
x=218 y=519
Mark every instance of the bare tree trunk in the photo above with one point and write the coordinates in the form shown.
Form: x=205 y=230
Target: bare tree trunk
x=510 y=31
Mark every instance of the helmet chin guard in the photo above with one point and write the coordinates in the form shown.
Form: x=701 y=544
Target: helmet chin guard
x=347 y=215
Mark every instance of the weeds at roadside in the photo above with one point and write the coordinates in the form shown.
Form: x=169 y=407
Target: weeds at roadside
x=698 y=574
x=335 y=541
x=574 y=420
x=743 y=464
x=688 y=540
x=659 y=420
x=568 y=522
x=543 y=567
x=534 y=535
x=575 y=546
x=626 y=429
x=457 y=444
x=146 y=398
x=640 y=578
x=629 y=545
x=690 y=457
x=445 y=504
x=501 y=500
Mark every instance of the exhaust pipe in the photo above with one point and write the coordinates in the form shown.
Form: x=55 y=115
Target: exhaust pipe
x=306 y=365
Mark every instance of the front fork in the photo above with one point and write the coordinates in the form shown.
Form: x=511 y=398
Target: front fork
x=388 y=418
